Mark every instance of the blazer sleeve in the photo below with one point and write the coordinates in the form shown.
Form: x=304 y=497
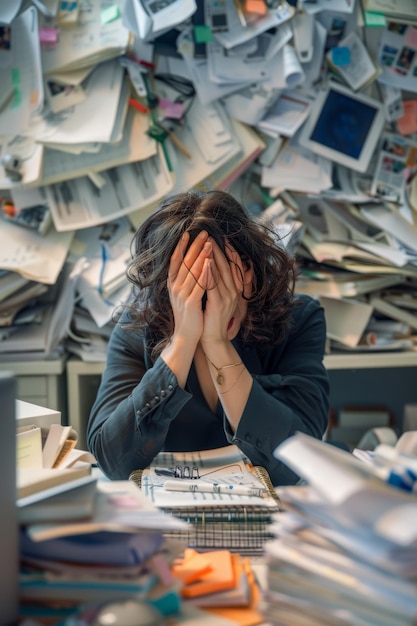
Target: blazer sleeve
x=292 y=395
x=134 y=407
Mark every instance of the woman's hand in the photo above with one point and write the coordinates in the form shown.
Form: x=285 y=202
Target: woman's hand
x=223 y=295
x=187 y=281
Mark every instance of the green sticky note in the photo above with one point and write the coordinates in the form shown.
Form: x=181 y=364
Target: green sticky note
x=110 y=14
x=17 y=99
x=15 y=76
x=373 y=18
x=202 y=34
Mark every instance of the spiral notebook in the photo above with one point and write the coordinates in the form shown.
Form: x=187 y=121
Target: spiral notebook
x=214 y=491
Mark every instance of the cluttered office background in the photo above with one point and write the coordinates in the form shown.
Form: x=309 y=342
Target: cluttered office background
x=306 y=111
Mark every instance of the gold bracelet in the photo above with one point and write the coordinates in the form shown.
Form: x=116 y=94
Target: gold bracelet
x=220 y=377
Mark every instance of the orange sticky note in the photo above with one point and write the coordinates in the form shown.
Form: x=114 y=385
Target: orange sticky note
x=256 y=6
x=246 y=616
x=191 y=567
x=220 y=577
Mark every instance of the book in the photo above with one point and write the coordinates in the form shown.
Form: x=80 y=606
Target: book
x=351 y=60
x=60 y=440
x=119 y=507
x=31 y=480
x=340 y=284
x=28 y=446
x=10 y=282
x=216 y=517
x=75 y=503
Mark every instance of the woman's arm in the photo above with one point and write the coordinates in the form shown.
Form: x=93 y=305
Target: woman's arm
x=137 y=399
x=292 y=394
x=135 y=405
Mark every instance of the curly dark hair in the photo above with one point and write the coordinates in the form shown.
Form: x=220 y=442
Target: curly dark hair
x=227 y=222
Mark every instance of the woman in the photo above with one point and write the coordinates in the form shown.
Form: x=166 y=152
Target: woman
x=214 y=348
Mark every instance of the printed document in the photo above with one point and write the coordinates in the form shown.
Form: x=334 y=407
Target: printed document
x=34 y=256
x=237 y=33
x=397 y=57
x=136 y=145
x=80 y=203
x=94 y=119
x=396 y=156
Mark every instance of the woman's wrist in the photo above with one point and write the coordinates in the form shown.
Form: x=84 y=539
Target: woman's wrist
x=178 y=355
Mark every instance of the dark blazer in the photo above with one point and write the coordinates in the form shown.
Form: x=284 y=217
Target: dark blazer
x=140 y=409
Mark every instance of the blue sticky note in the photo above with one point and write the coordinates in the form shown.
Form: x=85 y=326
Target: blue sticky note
x=340 y=55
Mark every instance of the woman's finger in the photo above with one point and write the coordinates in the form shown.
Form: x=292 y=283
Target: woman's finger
x=224 y=266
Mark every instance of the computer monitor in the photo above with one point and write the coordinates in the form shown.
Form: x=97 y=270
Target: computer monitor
x=9 y=542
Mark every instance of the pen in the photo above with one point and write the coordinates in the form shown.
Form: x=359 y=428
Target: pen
x=7 y=98
x=238 y=490
x=176 y=141
x=137 y=105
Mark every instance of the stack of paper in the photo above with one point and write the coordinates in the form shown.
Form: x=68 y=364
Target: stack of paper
x=94 y=38
x=108 y=107
x=118 y=550
x=346 y=547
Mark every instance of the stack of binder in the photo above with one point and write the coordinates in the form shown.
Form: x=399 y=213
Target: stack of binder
x=196 y=487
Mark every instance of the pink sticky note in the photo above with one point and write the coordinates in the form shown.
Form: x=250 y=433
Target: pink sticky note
x=410 y=38
x=48 y=35
x=174 y=110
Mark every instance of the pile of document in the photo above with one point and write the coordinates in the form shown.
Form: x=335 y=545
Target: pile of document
x=106 y=108
x=345 y=552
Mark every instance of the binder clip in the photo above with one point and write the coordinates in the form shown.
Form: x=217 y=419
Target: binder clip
x=13 y=167
x=157 y=132
x=160 y=133
x=185 y=471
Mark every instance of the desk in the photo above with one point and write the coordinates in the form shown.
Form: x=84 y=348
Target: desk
x=83 y=380
x=41 y=382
